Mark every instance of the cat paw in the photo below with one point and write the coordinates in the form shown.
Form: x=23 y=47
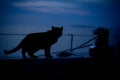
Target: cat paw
x=49 y=56
x=35 y=57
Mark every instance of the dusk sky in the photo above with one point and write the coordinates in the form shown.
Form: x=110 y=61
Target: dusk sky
x=59 y=12
x=26 y=16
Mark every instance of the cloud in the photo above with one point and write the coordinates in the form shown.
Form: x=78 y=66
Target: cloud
x=52 y=7
x=44 y=4
x=116 y=2
x=93 y=1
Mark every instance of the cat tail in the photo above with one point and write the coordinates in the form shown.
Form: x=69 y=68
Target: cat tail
x=12 y=50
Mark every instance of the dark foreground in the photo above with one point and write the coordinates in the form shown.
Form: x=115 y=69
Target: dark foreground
x=60 y=69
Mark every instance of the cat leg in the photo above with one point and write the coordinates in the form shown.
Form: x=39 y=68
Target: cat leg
x=32 y=55
x=23 y=54
x=47 y=53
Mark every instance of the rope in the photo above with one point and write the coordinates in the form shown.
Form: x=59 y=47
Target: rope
x=81 y=46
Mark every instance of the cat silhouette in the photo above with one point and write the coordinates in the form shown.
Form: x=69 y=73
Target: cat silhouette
x=36 y=41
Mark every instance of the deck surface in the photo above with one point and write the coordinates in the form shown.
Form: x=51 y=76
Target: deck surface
x=59 y=68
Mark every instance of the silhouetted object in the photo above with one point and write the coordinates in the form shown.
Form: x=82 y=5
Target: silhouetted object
x=118 y=49
x=65 y=54
x=102 y=39
x=36 y=41
x=101 y=47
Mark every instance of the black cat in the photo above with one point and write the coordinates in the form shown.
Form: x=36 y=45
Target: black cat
x=36 y=41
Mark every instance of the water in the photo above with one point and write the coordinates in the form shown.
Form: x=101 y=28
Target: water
x=11 y=41
x=81 y=36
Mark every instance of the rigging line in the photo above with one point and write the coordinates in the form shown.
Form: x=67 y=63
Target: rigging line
x=83 y=43
x=81 y=46
x=76 y=35
x=63 y=35
x=28 y=33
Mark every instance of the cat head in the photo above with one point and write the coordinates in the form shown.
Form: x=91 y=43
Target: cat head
x=57 y=31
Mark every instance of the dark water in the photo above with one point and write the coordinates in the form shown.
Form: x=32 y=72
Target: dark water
x=11 y=41
x=82 y=35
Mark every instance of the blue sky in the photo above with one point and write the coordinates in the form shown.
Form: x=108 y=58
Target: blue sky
x=76 y=16
x=59 y=12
